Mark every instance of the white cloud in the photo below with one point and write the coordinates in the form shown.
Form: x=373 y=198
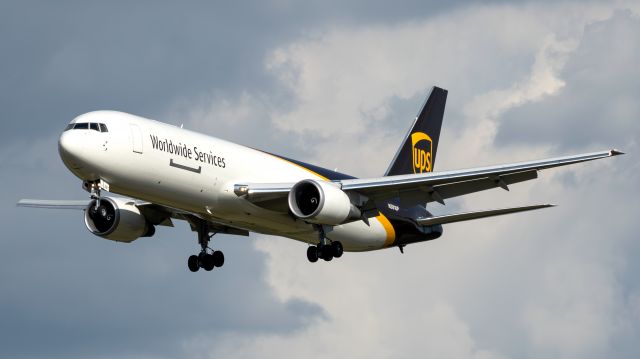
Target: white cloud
x=543 y=284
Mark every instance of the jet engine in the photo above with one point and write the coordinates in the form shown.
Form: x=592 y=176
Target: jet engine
x=321 y=202
x=117 y=219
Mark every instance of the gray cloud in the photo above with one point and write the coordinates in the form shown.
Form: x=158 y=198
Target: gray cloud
x=542 y=285
x=68 y=294
x=60 y=61
x=598 y=106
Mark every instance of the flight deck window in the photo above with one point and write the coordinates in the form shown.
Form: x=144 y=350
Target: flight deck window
x=94 y=126
x=81 y=126
x=103 y=128
x=69 y=126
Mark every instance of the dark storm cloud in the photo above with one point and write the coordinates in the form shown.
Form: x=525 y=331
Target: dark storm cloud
x=602 y=90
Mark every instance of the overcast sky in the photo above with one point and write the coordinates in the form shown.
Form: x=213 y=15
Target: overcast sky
x=334 y=83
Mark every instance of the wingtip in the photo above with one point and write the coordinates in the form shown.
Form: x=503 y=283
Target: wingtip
x=545 y=205
x=614 y=152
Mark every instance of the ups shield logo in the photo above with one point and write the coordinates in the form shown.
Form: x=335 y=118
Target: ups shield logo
x=421 y=146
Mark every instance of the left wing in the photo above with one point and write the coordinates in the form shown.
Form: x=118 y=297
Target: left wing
x=440 y=185
x=154 y=213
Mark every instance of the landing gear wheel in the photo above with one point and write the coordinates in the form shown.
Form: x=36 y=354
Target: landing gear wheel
x=208 y=258
x=327 y=253
x=206 y=261
x=336 y=248
x=217 y=258
x=312 y=254
x=193 y=263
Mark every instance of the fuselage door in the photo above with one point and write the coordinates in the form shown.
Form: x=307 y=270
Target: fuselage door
x=136 y=138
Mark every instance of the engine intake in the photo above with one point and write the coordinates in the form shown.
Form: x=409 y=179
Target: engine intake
x=321 y=202
x=117 y=220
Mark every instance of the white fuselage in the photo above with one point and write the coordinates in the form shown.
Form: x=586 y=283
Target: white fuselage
x=192 y=172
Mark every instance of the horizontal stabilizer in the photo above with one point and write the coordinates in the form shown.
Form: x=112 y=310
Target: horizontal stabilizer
x=459 y=217
x=53 y=204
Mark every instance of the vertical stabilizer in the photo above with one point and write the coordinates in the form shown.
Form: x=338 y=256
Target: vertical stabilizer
x=417 y=154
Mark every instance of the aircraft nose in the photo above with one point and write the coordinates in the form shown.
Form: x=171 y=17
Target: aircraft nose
x=70 y=148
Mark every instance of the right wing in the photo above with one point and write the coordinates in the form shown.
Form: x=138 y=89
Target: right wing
x=421 y=188
x=156 y=214
x=53 y=204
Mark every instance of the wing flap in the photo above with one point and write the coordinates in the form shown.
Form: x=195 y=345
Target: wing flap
x=444 y=191
x=468 y=216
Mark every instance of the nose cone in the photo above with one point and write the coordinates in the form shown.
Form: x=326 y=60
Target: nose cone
x=71 y=148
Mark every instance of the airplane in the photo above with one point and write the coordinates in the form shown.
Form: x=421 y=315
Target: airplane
x=162 y=173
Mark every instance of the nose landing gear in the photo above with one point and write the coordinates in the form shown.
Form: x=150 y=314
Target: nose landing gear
x=208 y=258
x=94 y=187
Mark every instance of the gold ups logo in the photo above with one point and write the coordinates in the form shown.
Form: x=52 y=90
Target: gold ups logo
x=421 y=146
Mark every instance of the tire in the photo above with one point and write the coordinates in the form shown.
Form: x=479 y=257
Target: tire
x=218 y=258
x=336 y=248
x=312 y=254
x=327 y=253
x=207 y=263
x=192 y=263
x=201 y=258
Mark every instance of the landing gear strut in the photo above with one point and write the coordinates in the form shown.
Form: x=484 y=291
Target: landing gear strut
x=325 y=249
x=93 y=187
x=207 y=259
x=98 y=211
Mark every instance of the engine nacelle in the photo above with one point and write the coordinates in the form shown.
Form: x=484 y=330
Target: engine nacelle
x=321 y=202
x=117 y=220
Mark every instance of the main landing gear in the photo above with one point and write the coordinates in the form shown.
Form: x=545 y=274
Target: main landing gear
x=324 y=249
x=208 y=258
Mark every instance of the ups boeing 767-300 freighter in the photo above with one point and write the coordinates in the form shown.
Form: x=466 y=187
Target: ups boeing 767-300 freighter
x=164 y=173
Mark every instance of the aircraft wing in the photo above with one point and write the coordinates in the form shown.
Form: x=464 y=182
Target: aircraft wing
x=437 y=186
x=156 y=214
x=467 y=216
x=54 y=204
x=430 y=187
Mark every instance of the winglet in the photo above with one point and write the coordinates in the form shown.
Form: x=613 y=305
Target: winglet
x=614 y=152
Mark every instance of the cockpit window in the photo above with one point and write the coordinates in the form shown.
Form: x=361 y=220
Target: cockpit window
x=100 y=127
